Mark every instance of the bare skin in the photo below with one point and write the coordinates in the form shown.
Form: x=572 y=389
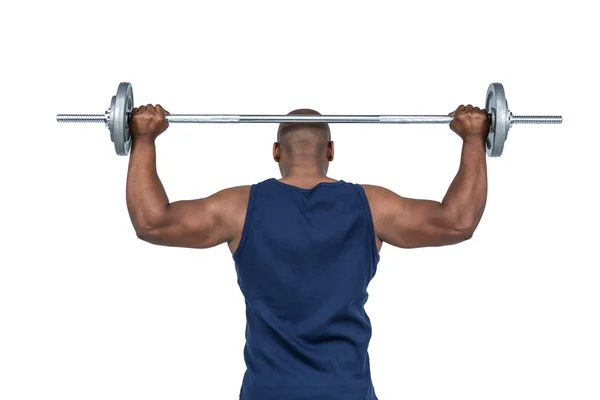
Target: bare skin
x=200 y=223
x=411 y=223
x=303 y=154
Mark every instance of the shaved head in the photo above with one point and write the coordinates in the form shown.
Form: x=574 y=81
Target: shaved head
x=305 y=144
x=303 y=137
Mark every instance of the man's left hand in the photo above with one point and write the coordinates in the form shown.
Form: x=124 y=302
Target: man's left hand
x=148 y=122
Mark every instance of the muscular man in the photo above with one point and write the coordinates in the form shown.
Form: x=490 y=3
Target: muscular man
x=305 y=248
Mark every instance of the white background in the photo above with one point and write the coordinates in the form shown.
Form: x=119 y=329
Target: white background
x=88 y=311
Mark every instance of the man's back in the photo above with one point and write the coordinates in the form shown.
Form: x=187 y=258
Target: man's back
x=304 y=261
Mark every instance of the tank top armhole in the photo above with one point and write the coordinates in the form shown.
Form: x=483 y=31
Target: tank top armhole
x=369 y=217
x=245 y=230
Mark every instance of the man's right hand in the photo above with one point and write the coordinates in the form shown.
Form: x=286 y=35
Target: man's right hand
x=470 y=122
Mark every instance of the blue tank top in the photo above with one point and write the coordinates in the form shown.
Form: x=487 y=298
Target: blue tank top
x=303 y=264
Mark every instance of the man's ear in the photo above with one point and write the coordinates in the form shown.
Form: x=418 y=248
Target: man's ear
x=276 y=152
x=330 y=151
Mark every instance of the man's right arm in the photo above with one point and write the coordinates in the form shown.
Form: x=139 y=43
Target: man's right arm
x=411 y=223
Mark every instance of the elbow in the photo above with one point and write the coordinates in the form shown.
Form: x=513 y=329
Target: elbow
x=145 y=232
x=461 y=223
x=149 y=226
x=463 y=226
x=142 y=235
x=466 y=235
x=152 y=229
x=465 y=230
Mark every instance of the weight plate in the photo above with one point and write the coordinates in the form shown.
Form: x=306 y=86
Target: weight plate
x=496 y=105
x=111 y=117
x=120 y=111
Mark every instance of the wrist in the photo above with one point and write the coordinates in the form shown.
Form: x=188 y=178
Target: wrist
x=144 y=140
x=142 y=143
x=474 y=141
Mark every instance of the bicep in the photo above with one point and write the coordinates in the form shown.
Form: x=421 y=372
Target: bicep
x=411 y=223
x=200 y=223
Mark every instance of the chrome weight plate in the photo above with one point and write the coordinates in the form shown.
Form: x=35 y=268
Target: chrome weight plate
x=496 y=105
x=118 y=118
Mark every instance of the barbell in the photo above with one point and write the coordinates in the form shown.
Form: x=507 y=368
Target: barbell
x=117 y=116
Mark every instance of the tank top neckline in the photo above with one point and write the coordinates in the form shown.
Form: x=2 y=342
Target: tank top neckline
x=337 y=183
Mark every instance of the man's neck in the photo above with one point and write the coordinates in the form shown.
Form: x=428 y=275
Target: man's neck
x=304 y=174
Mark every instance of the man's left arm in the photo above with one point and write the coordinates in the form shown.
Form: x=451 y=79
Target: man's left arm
x=200 y=223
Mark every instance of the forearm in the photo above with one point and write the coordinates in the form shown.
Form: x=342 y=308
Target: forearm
x=466 y=197
x=147 y=201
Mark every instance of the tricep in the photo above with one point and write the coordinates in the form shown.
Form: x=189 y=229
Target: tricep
x=412 y=223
